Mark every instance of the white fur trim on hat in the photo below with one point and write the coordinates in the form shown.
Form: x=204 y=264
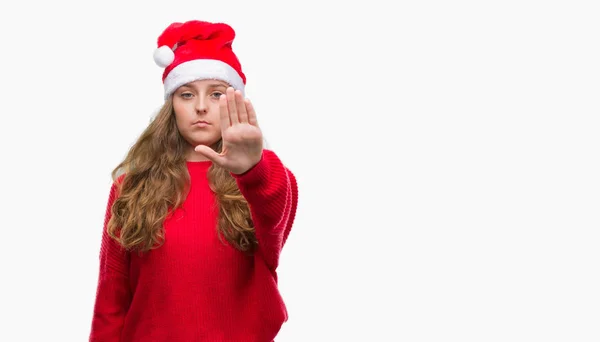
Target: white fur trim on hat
x=202 y=69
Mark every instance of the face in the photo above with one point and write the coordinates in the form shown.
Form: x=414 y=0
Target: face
x=196 y=106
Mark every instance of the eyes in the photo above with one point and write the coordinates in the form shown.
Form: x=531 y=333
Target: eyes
x=189 y=95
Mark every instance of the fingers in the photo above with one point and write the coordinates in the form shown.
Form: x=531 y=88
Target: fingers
x=210 y=154
x=233 y=113
x=241 y=107
x=235 y=109
x=251 y=113
x=224 y=113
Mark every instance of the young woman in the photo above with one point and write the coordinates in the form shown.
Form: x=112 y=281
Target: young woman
x=197 y=219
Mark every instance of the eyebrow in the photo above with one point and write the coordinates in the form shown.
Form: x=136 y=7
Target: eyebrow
x=216 y=85
x=210 y=85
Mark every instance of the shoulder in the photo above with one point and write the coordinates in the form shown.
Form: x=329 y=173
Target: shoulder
x=116 y=186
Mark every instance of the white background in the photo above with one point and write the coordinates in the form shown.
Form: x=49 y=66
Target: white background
x=446 y=154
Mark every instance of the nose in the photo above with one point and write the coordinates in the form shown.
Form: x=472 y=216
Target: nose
x=201 y=105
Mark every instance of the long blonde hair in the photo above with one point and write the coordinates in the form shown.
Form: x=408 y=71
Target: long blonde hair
x=156 y=182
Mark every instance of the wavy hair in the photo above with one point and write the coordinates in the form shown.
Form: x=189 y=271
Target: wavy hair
x=156 y=182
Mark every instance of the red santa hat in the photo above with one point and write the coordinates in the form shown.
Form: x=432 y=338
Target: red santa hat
x=197 y=50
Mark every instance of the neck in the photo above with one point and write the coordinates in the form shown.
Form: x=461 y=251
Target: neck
x=193 y=156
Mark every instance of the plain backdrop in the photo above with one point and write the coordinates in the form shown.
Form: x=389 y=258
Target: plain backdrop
x=446 y=154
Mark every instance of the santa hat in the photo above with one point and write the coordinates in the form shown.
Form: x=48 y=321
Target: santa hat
x=198 y=50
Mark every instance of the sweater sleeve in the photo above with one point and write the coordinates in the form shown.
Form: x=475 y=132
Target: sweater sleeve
x=112 y=294
x=272 y=195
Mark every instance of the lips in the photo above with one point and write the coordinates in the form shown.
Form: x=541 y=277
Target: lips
x=200 y=124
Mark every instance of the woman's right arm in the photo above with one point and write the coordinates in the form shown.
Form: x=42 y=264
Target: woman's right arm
x=113 y=295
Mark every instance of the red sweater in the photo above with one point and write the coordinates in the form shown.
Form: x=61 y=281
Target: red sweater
x=193 y=287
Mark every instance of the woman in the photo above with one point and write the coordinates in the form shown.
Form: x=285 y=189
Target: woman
x=196 y=222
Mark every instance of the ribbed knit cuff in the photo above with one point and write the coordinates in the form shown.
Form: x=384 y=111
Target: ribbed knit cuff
x=257 y=174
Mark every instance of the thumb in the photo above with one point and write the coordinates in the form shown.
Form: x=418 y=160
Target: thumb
x=209 y=153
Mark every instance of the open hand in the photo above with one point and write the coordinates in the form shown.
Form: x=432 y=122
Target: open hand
x=242 y=138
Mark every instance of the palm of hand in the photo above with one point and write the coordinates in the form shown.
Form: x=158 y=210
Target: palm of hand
x=241 y=144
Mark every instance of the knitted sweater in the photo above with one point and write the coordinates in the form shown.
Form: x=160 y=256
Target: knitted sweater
x=194 y=287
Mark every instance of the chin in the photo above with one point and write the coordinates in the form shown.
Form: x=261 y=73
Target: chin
x=212 y=142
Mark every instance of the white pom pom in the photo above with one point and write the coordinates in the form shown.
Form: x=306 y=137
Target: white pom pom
x=163 y=56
